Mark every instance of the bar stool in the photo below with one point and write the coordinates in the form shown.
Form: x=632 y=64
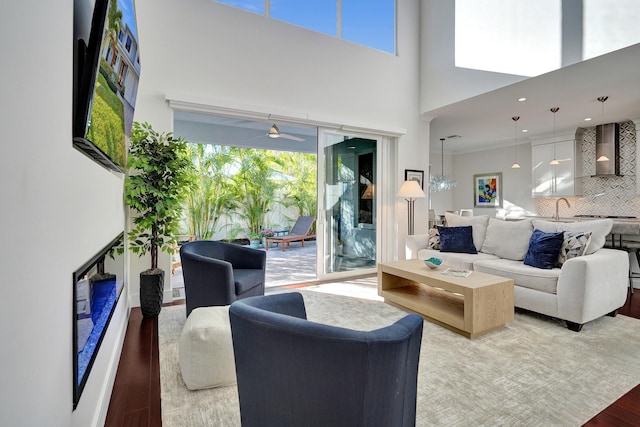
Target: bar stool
x=631 y=246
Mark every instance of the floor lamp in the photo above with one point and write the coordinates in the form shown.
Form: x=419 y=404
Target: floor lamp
x=411 y=191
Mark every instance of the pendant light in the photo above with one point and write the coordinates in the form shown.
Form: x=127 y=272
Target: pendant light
x=554 y=162
x=442 y=182
x=515 y=164
x=602 y=100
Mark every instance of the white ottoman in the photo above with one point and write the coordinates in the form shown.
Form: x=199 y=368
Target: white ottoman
x=206 y=349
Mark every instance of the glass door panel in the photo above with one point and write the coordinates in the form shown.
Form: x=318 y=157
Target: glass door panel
x=347 y=203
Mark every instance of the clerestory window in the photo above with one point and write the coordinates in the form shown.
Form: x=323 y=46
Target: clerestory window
x=370 y=23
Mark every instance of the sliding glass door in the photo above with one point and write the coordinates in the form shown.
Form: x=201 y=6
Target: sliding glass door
x=347 y=203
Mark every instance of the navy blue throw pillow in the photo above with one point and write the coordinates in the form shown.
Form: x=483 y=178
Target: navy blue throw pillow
x=458 y=239
x=544 y=249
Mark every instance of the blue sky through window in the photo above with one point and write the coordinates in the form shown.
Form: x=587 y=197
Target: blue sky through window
x=317 y=15
x=255 y=6
x=367 y=22
x=371 y=23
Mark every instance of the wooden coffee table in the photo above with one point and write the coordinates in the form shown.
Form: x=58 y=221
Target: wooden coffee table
x=470 y=306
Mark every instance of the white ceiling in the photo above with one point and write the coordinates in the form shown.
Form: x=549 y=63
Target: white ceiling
x=221 y=130
x=485 y=121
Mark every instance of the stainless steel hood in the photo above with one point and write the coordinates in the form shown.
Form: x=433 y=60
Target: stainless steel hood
x=608 y=150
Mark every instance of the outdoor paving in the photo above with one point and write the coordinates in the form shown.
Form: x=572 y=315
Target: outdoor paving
x=296 y=264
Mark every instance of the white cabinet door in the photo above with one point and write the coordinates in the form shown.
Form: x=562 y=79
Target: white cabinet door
x=553 y=180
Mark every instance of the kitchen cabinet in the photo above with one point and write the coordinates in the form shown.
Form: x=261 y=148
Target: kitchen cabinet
x=553 y=180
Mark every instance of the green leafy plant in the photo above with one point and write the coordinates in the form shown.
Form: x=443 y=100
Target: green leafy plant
x=154 y=189
x=209 y=198
x=254 y=186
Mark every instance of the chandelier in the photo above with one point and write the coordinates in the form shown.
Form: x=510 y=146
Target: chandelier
x=442 y=182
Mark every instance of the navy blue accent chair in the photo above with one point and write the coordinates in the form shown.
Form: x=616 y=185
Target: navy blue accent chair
x=292 y=372
x=218 y=273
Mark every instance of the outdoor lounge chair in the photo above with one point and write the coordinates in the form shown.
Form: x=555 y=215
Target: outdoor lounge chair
x=298 y=232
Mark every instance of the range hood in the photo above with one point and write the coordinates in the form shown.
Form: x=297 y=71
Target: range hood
x=608 y=150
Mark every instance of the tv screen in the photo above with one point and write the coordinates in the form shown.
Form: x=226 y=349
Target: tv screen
x=106 y=75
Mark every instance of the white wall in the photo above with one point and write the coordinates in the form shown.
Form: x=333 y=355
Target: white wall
x=441 y=82
x=58 y=209
x=216 y=52
x=516 y=183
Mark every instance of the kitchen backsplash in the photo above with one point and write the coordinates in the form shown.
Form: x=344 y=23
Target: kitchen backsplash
x=614 y=195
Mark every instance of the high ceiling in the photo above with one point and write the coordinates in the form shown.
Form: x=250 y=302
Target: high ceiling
x=481 y=122
x=485 y=121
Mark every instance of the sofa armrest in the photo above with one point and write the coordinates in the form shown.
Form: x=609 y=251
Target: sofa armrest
x=593 y=285
x=414 y=243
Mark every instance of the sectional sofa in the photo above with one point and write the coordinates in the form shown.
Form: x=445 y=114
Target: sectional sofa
x=586 y=281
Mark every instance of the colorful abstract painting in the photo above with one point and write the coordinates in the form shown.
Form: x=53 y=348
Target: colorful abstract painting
x=487 y=190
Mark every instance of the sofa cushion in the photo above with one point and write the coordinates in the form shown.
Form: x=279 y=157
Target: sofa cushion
x=479 y=224
x=453 y=259
x=544 y=249
x=457 y=239
x=574 y=245
x=507 y=239
x=522 y=275
x=599 y=228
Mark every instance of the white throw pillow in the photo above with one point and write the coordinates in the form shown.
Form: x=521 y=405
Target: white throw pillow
x=477 y=223
x=508 y=239
x=599 y=229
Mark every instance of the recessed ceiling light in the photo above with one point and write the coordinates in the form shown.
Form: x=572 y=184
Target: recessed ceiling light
x=351 y=147
x=522 y=99
x=588 y=119
x=525 y=130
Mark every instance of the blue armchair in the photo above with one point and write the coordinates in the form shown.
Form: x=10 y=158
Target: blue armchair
x=292 y=372
x=218 y=273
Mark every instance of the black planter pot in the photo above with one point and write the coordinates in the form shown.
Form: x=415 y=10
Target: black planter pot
x=151 y=290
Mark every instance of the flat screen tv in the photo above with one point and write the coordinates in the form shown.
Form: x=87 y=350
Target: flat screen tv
x=106 y=65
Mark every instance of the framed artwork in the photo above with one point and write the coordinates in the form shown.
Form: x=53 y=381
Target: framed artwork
x=414 y=175
x=487 y=190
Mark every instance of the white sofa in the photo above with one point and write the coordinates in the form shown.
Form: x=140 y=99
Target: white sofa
x=585 y=287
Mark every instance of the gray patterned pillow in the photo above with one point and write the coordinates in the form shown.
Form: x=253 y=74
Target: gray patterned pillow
x=574 y=245
x=434 y=239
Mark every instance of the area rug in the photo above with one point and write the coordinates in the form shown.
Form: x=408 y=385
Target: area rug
x=532 y=372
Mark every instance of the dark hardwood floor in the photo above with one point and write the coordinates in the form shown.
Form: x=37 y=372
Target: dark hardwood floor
x=135 y=400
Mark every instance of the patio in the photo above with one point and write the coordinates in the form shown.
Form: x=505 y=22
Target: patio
x=295 y=265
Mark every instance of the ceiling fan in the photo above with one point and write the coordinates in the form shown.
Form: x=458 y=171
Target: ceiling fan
x=274 y=132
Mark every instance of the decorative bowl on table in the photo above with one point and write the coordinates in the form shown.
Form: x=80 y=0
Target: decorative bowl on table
x=433 y=262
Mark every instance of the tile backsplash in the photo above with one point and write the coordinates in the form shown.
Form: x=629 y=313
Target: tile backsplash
x=614 y=195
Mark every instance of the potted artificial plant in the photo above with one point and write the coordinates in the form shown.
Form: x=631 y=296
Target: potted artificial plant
x=158 y=174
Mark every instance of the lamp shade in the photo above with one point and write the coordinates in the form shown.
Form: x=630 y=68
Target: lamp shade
x=411 y=190
x=368 y=193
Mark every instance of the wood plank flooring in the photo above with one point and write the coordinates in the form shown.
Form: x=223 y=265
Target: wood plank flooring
x=135 y=400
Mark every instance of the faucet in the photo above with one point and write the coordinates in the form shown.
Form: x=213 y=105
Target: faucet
x=556 y=217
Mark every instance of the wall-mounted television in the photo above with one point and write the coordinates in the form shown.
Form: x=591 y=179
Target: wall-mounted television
x=106 y=71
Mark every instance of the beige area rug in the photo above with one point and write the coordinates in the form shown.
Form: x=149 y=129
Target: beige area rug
x=533 y=372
